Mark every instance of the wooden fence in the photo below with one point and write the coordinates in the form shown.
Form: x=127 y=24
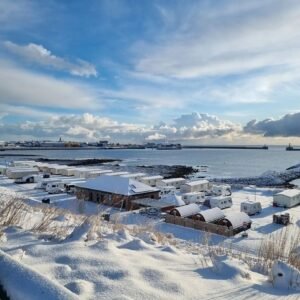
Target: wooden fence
x=196 y=224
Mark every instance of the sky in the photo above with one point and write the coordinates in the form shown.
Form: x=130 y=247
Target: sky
x=195 y=72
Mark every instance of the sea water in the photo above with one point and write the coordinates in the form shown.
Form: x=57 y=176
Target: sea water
x=220 y=162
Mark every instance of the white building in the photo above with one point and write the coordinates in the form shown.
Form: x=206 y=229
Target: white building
x=117 y=173
x=287 y=198
x=195 y=186
x=176 y=182
x=151 y=180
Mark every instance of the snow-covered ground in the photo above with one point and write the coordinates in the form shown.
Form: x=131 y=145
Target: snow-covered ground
x=128 y=261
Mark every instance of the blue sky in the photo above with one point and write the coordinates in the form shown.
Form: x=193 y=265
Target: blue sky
x=118 y=69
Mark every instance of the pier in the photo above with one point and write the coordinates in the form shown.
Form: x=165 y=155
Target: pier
x=264 y=147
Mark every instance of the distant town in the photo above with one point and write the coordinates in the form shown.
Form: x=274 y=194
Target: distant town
x=104 y=144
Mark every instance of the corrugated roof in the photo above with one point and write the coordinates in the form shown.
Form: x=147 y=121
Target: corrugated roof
x=188 y=210
x=212 y=214
x=117 y=185
x=237 y=219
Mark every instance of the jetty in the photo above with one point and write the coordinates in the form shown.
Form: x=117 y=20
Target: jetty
x=264 y=147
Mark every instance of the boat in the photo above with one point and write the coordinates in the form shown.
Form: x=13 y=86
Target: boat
x=169 y=147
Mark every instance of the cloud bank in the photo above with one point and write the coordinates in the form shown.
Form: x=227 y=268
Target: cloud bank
x=287 y=126
x=40 y=55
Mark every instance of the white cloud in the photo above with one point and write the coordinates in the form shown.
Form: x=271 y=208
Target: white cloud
x=156 y=137
x=91 y=127
x=23 y=87
x=40 y=55
x=286 y=126
x=207 y=42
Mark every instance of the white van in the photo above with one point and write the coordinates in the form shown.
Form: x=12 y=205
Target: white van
x=220 y=201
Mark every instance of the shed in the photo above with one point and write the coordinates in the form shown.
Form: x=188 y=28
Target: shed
x=211 y=215
x=238 y=221
x=186 y=210
x=176 y=182
x=195 y=186
x=287 y=198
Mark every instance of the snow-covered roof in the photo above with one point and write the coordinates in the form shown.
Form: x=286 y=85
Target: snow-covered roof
x=173 y=199
x=197 y=182
x=170 y=180
x=154 y=177
x=99 y=171
x=250 y=202
x=132 y=175
x=117 y=173
x=192 y=194
x=117 y=185
x=290 y=193
x=188 y=210
x=237 y=219
x=212 y=214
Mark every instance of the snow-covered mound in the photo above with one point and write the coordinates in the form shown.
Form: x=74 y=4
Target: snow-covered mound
x=268 y=178
x=285 y=276
x=22 y=283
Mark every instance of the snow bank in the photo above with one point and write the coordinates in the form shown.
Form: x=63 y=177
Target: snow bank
x=22 y=283
x=285 y=276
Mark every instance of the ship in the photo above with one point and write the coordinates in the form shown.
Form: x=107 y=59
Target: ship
x=169 y=147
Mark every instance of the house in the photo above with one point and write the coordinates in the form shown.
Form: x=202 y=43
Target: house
x=287 y=198
x=176 y=182
x=115 y=191
x=237 y=221
x=212 y=215
x=184 y=211
x=151 y=180
x=195 y=186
